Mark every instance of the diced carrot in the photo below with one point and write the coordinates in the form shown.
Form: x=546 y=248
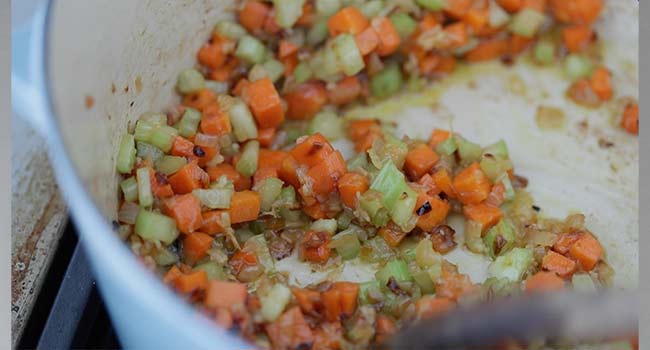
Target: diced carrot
x=186 y=210
x=239 y=88
x=497 y=195
x=442 y=180
x=347 y=20
x=225 y=72
x=576 y=11
x=264 y=101
x=329 y=336
x=630 y=119
x=307 y=16
x=286 y=48
x=349 y=185
x=488 y=50
x=389 y=39
x=266 y=136
x=456 y=35
x=182 y=147
x=253 y=15
x=453 y=284
x=392 y=234
x=314 y=247
x=316 y=211
x=583 y=94
x=172 y=274
x=477 y=18
x=290 y=330
x=518 y=44
x=565 y=241
x=212 y=54
x=240 y=181
x=305 y=100
x=429 y=306
x=345 y=91
x=543 y=282
x=457 y=8
x=537 y=5
x=193 y=281
x=201 y=99
x=326 y=174
x=384 y=327
x=308 y=300
x=482 y=213
x=288 y=171
x=270 y=158
x=244 y=206
x=270 y=23
x=160 y=189
x=561 y=265
x=214 y=121
x=433 y=217
x=471 y=185
x=224 y=294
x=264 y=173
x=577 y=37
x=360 y=127
x=242 y=260
x=587 y=251
x=367 y=41
x=511 y=5
x=188 y=178
x=212 y=222
x=446 y=64
x=601 y=83
x=208 y=154
x=340 y=300
x=195 y=246
x=428 y=185
x=428 y=63
x=290 y=62
x=312 y=150
x=420 y=160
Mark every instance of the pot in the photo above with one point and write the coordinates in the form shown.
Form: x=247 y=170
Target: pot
x=91 y=68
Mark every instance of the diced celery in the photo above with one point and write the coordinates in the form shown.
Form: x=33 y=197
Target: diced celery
x=425 y=256
x=577 y=66
x=346 y=244
x=302 y=73
x=325 y=64
x=387 y=82
x=447 y=147
x=510 y=191
x=512 y=265
x=407 y=250
x=423 y=281
x=257 y=226
x=391 y=149
x=250 y=50
x=269 y=190
x=544 y=52
x=126 y=154
x=274 y=302
x=433 y=5
x=214 y=198
x=391 y=184
x=318 y=32
x=230 y=30
x=287 y=12
x=494 y=166
x=527 y=22
x=371 y=8
x=500 y=238
x=128 y=213
x=358 y=162
x=274 y=69
x=189 y=81
x=366 y=290
x=498 y=148
x=501 y=287
x=344 y=219
x=148 y=151
x=213 y=269
x=473 y=240
x=326 y=225
x=290 y=216
x=243 y=234
x=396 y=268
x=247 y=164
x=155 y=227
x=154 y=118
x=371 y=202
x=328 y=124
x=376 y=250
x=287 y=198
x=498 y=16
x=404 y=24
x=402 y=213
x=144 y=130
x=243 y=124
x=435 y=272
x=347 y=52
x=583 y=283
x=468 y=152
x=164 y=257
x=163 y=137
x=170 y=164
x=145 y=197
x=130 y=189
x=326 y=8
x=218 y=87
x=189 y=122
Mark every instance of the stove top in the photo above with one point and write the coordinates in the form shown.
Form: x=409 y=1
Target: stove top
x=69 y=312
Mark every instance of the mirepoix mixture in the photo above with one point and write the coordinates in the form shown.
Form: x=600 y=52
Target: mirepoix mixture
x=243 y=172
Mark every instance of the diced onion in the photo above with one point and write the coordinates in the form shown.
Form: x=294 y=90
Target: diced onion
x=128 y=213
